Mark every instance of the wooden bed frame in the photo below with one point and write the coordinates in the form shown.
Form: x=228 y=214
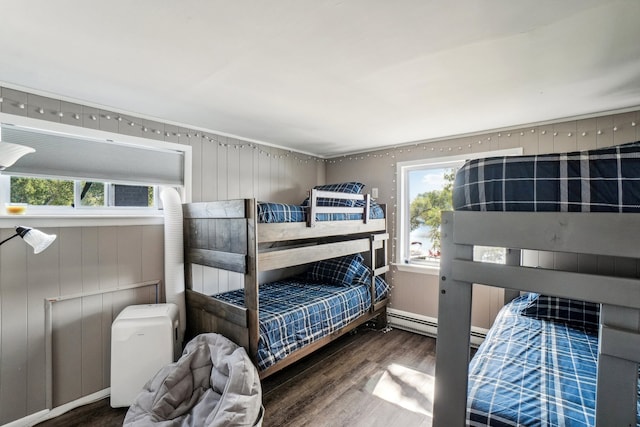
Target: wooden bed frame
x=606 y=234
x=227 y=235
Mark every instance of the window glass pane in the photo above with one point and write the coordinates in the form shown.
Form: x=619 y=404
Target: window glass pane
x=430 y=192
x=91 y=193
x=132 y=195
x=41 y=192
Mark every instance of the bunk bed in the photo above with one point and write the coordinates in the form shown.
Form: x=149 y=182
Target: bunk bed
x=582 y=203
x=328 y=233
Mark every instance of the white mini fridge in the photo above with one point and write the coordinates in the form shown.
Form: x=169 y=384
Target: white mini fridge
x=144 y=338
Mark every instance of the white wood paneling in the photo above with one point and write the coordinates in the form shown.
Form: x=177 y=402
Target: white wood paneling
x=40 y=284
x=14 y=333
x=93 y=345
x=129 y=255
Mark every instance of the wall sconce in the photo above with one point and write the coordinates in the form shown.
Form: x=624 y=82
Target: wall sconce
x=10 y=153
x=36 y=238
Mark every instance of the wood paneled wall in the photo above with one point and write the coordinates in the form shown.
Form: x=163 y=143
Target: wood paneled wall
x=81 y=260
x=418 y=293
x=87 y=259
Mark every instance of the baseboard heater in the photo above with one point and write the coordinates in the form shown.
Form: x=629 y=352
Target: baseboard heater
x=426 y=325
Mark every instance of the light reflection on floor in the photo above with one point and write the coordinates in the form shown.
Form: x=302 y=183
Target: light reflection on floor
x=405 y=387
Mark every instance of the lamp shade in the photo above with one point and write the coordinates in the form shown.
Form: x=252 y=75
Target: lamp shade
x=36 y=238
x=10 y=153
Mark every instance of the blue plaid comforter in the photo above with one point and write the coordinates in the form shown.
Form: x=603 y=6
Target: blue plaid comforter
x=531 y=372
x=296 y=312
x=601 y=180
x=269 y=212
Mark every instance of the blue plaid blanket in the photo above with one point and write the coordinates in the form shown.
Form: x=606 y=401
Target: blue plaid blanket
x=601 y=180
x=531 y=372
x=296 y=312
x=280 y=212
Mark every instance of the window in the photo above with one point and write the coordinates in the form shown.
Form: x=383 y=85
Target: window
x=77 y=170
x=425 y=190
x=47 y=192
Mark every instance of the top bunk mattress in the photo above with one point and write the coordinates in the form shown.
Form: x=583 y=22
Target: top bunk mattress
x=600 y=180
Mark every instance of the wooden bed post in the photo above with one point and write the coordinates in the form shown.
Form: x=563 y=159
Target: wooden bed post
x=251 y=279
x=373 y=263
x=311 y=208
x=454 y=328
x=367 y=207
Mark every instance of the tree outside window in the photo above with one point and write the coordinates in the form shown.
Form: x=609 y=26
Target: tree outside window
x=430 y=193
x=57 y=193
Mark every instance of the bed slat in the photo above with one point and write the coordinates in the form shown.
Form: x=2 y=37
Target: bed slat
x=218 y=209
x=218 y=259
x=609 y=233
x=299 y=230
x=220 y=234
x=232 y=313
x=620 y=343
x=306 y=254
x=565 y=284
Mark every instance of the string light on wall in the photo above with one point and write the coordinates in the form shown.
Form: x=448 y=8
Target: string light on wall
x=396 y=150
x=433 y=146
x=133 y=123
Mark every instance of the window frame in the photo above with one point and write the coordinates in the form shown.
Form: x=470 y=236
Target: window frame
x=93 y=215
x=402 y=228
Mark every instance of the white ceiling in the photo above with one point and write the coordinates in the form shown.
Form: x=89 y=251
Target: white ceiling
x=330 y=76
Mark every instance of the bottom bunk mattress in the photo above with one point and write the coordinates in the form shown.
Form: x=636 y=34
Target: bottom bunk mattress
x=296 y=312
x=532 y=372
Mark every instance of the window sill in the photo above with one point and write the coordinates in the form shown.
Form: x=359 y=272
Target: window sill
x=79 y=220
x=420 y=269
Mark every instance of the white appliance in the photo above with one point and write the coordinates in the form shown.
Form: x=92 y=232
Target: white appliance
x=144 y=338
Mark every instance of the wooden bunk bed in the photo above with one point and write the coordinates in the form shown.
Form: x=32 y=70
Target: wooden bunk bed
x=228 y=235
x=608 y=234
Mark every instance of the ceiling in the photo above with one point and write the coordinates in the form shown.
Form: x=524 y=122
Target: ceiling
x=330 y=77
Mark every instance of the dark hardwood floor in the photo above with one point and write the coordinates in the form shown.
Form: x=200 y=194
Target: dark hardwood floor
x=367 y=378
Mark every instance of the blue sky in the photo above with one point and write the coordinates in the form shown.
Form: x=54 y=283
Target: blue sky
x=421 y=181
